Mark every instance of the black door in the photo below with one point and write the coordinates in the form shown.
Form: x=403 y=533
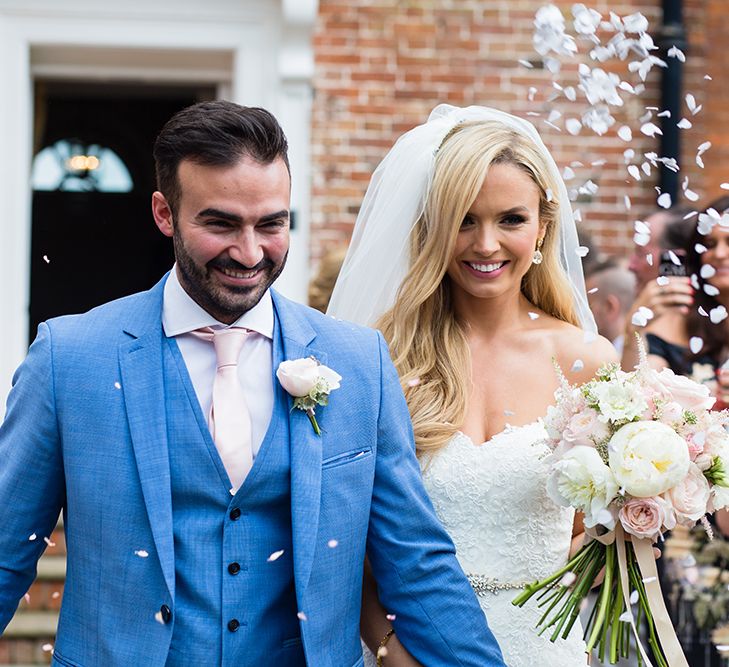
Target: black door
x=94 y=238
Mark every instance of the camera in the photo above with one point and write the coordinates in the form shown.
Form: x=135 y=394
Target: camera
x=667 y=264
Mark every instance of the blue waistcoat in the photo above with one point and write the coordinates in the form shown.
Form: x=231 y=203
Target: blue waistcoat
x=235 y=602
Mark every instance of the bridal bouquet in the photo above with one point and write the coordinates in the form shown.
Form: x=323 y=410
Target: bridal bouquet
x=636 y=453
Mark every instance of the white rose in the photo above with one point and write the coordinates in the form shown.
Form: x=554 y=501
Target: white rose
x=648 y=458
x=719 y=498
x=581 y=480
x=329 y=376
x=618 y=401
x=298 y=376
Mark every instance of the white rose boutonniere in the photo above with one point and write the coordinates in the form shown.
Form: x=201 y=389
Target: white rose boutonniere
x=310 y=383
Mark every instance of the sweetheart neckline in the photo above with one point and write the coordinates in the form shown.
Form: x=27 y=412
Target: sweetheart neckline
x=509 y=428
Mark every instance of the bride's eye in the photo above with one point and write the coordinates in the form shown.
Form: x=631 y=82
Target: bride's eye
x=467 y=222
x=513 y=220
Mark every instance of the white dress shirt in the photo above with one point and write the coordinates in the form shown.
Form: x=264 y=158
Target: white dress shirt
x=181 y=315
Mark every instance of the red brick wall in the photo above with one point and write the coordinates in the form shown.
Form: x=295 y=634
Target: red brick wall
x=381 y=65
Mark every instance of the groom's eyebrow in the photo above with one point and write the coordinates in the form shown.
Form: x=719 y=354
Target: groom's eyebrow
x=217 y=213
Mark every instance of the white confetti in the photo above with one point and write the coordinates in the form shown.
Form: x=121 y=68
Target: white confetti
x=582 y=251
x=717 y=314
x=275 y=556
x=684 y=124
x=626 y=616
x=707 y=77
x=532 y=92
x=509 y=413
x=642 y=316
x=158 y=618
x=700 y=248
x=634 y=597
x=626 y=202
x=414 y=382
x=711 y=291
x=333 y=544
x=568 y=579
x=526 y=63
x=675 y=52
x=702 y=312
x=48 y=648
x=664 y=200
x=664 y=114
x=577 y=366
x=674 y=258
x=634 y=171
x=33 y=537
x=55 y=595
x=573 y=126
x=649 y=580
x=707 y=271
x=695 y=344
x=570 y=93
x=594 y=290
x=625 y=133
x=117 y=385
x=390 y=617
x=533 y=316
x=650 y=129
x=26 y=597
x=690 y=195
x=549 y=194
x=141 y=553
x=302 y=616
x=649 y=259
x=568 y=173
x=46 y=260
x=48 y=541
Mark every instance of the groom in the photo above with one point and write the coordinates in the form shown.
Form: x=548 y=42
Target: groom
x=199 y=535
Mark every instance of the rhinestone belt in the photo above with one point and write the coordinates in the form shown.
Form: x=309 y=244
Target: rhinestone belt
x=482 y=585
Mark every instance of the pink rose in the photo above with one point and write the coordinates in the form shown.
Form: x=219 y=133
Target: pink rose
x=584 y=428
x=690 y=497
x=646 y=517
x=688 y=394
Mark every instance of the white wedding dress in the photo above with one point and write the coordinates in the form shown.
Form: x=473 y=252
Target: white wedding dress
x=492 y=500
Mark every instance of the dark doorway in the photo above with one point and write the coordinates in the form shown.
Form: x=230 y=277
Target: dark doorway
x=94 y=238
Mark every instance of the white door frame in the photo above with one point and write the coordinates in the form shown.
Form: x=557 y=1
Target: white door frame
x=271 y=65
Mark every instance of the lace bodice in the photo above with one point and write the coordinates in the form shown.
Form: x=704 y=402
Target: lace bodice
x=492 y=500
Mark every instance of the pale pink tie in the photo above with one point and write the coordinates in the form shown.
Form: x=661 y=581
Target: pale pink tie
x=229 y=419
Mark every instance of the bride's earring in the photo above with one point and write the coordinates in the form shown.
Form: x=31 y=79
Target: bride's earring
x=537 y=257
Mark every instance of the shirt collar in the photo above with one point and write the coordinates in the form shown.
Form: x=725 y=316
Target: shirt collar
x=182 y=314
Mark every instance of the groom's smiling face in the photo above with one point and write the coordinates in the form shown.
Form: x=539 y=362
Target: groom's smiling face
x=230 y=232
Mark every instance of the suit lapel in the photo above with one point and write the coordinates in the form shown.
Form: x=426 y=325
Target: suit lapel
x=305 y=445
x=140 y=360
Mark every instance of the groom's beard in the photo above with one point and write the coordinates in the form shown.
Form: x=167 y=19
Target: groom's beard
x=225 y=303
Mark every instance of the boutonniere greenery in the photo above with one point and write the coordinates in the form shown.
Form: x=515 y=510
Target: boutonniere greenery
x=310 y=383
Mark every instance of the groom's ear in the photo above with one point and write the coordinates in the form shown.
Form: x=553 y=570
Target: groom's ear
x=162 y=213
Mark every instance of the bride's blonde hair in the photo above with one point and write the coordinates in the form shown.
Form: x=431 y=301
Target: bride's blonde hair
x=427 y=343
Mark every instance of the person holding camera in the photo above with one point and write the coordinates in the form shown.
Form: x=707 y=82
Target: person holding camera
x=664 y=291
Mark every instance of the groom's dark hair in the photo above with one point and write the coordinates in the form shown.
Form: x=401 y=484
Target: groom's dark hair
x=215 y=134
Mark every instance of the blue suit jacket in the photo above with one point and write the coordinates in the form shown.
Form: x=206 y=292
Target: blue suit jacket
x=85 y=432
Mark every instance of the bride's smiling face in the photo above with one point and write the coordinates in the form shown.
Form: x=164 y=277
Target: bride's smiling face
x=498 y=236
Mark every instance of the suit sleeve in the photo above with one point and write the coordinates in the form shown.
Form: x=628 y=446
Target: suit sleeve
x=419 y=580
x=32 y=487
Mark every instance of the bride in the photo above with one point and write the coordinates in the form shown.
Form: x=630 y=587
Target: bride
x=465 y=256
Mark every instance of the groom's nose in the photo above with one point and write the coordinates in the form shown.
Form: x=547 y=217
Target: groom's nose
x=247 y=248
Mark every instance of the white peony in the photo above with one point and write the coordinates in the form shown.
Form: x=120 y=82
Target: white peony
x=648 y=458
x=618 y=401
x=581 y=480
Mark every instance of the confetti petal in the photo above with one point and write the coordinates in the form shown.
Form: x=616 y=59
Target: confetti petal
x=695 y=344
x=582 y=251
x=533 y=316
x=684 y=124
x=664 y=200
x=33 y=538
x=594 y=290
x=141 y=553
x=333 y=544
x=573 y=126
x=414 y=382
x=46 y=260
x=625 y=133
x=158 y=618
x=626 y=617
x=390 y=617
x=707 y=271
x=117 y=385
x=634 y=597
x=711 y=291
x=662 y=280
x=302 y=616
x=700 y=248
x=578 y=365
x=568 y=579
x=275 y=556
x=634 y=171
x=717 y=314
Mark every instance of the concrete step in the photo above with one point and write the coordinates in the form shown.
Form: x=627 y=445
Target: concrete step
x=52 y=568
x=32 y=624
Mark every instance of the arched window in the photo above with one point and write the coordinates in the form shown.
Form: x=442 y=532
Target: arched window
x=70 y=165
